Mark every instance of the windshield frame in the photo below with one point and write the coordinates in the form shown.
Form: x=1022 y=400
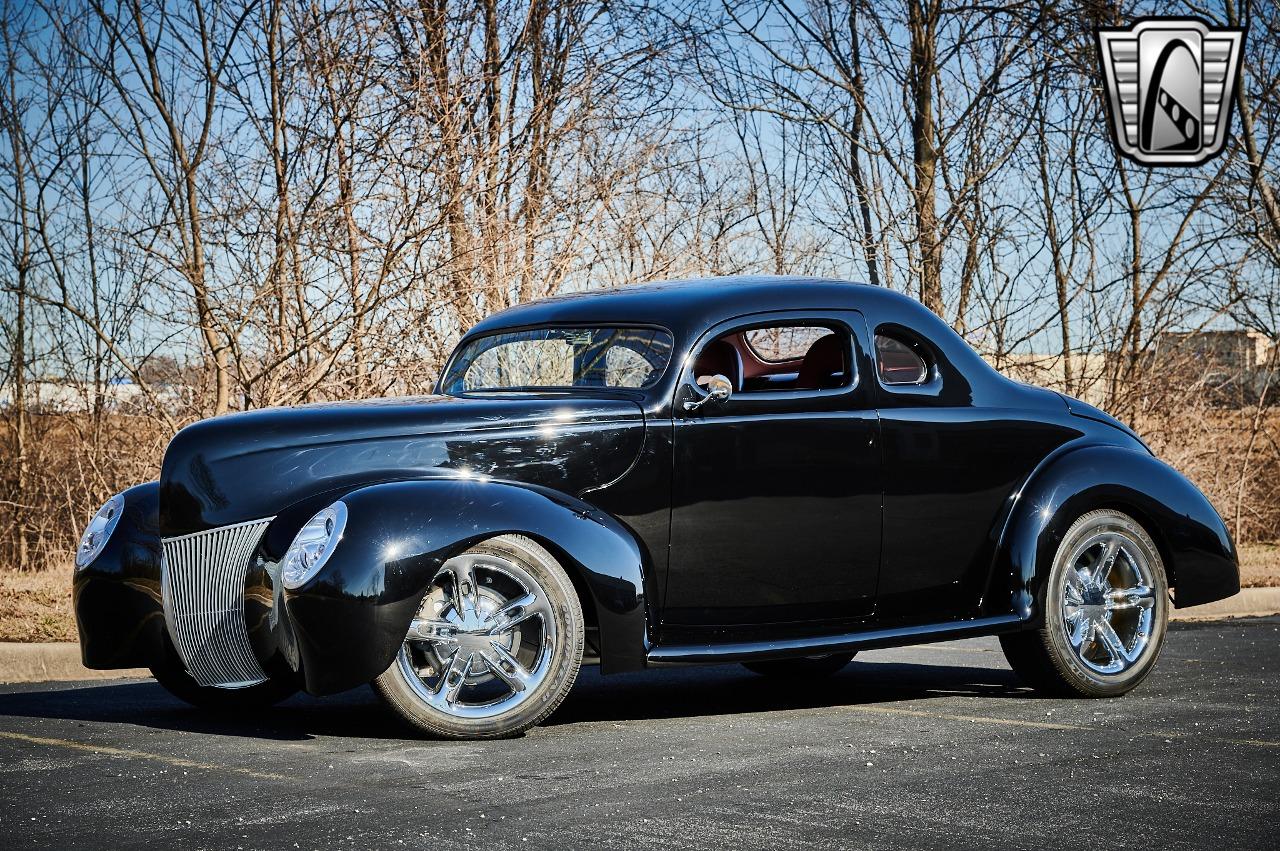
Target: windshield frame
x=632 y=392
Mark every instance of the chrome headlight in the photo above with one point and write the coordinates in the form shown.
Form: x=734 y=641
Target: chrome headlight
x=99 y=531
x=312 y=545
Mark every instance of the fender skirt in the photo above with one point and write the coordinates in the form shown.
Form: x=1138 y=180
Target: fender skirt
x=346 y=624
x=1199 y=555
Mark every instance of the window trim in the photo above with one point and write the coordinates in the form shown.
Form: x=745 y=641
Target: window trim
x=931 y=384
x=836 y=318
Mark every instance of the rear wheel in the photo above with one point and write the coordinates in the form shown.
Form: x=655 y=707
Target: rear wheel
x=495 y=647
x=1106 y=611
x=807 y=667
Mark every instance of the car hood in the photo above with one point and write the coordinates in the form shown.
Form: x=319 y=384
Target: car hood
x=254 y=465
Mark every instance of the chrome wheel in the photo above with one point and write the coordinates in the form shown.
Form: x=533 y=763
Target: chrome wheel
x=1106 y=609
x=1108 y=601
x=482 y=640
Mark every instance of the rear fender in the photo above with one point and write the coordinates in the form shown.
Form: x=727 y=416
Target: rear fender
x=1197 y=550
x=345 y=625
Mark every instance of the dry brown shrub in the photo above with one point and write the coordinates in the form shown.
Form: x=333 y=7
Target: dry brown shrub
x=74 y=462
x=1230 y=454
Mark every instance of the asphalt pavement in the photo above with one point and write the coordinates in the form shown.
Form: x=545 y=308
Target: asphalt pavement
x=928 y=747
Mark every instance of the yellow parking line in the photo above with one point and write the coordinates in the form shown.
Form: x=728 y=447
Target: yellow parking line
x=1257 y=743
x=1049 y=725
x=177 y=762
x=981 y=719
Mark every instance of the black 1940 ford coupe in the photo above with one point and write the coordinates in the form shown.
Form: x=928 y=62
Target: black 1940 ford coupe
x=771 y=471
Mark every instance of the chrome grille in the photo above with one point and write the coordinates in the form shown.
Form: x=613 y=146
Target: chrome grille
x=203 y=589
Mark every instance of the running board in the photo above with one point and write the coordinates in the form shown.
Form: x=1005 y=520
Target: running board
x=748 y=651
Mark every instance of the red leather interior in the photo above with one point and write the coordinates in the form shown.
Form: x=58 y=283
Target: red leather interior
x=719 y=358
x=823 y=364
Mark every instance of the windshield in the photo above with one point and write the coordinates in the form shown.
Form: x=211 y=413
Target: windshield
x=558 y=358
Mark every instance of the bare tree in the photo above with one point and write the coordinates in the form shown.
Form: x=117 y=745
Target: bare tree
x=20 y=251
x=215 y=205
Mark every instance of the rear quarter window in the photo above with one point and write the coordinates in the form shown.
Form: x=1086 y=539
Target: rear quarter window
x=900 y=361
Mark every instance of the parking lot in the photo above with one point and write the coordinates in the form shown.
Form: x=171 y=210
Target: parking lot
x=933 y=746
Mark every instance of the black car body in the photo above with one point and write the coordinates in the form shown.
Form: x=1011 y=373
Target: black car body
x=785 y=521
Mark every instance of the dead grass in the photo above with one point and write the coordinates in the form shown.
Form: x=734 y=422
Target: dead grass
x=36 y=606
x=1260 y=565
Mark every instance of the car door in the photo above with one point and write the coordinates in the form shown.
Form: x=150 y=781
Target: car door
x=775 y=518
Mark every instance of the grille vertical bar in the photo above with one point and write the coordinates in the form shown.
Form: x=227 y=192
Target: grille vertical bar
x=203 y=590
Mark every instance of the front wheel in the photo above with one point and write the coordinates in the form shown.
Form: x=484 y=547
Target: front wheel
x=495 y=647
x=1106 y=611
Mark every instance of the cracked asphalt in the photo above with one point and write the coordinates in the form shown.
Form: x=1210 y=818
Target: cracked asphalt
x=931 y=746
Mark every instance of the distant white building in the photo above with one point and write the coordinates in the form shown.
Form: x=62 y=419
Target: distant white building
x=1236 y=365
x=1088 y=373
x=1235 y=351
x=53 y=396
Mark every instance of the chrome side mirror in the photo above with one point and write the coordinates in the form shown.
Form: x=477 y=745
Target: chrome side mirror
x=719 y=389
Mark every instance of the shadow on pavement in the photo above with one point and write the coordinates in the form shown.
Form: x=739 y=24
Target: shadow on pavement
x=146 y=703
x=655 y=694
x=731 y=690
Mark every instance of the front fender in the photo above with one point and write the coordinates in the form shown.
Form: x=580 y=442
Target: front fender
x=347 y=623
x=1199 y=555
x=116 y=597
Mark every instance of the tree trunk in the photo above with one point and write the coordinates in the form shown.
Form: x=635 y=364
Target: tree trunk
x=21 y=259
x=868 y=239
x=921 y=23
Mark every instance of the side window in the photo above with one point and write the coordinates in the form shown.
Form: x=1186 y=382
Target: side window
x=900 y=361
x=560 y=357
x=624 y=367
x=784 y=342
x=524 y=363
x=805 y=356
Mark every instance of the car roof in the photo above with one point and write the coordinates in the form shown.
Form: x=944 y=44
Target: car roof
x=689 y=306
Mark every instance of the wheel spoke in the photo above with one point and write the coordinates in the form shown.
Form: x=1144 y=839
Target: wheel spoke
x=464 y=589
x=1074 y=590
x=1137 y=597
x=1111 y=641
x=516 y=612
x=1106 y=562
x=507 y=667
x=433 y=630
x=1081 y=629
x=455 y=676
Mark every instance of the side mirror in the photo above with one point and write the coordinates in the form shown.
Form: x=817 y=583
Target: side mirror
x=719 y=389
